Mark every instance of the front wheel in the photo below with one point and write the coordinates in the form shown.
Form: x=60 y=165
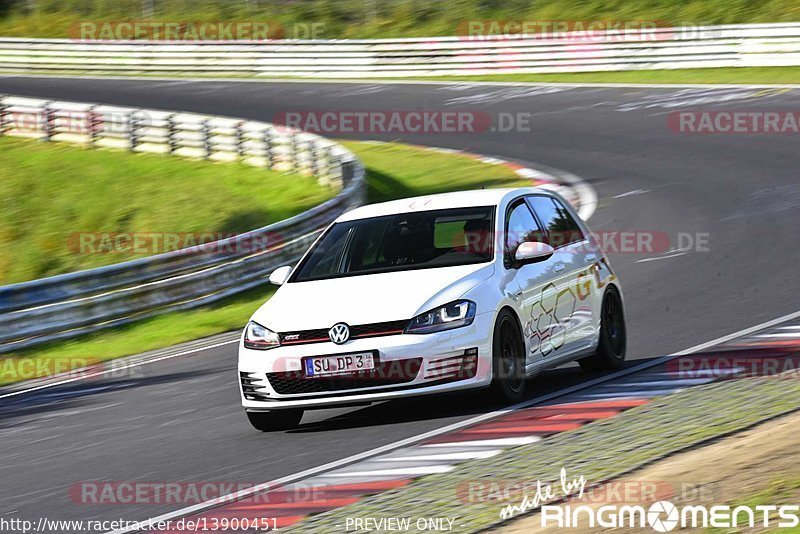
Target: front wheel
x=610 y=353
x=277 y=420
x=508 y=360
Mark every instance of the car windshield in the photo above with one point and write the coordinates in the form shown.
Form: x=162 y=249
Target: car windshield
x=419 y=240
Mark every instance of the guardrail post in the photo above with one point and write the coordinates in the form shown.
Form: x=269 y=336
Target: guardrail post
x=269 y=148
x=4 y=125
x=337 y=171
x=207 y=137
x=294 y=156
x=348 y=170
x=327 y=156
x=314 y=152
x=47 y=125
x=133 y=133
x=239 y=131
x=93 y=122
x=171 y=138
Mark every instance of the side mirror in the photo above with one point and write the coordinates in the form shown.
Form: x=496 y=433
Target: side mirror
x=280 y=275
x=533 y=252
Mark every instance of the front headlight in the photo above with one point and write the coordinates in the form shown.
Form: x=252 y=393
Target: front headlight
x=260 y=337
x=454 y=315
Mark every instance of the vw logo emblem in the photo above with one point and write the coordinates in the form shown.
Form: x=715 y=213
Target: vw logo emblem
x=339 y=333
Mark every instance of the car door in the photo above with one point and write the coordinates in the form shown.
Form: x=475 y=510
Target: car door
x=570 y=305
x=532 y=283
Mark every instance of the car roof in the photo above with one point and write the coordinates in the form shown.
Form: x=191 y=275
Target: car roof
x=459 y=199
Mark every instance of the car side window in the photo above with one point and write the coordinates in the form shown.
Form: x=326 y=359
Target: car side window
x=520 y=227
x=326 y=261
x=560 y=226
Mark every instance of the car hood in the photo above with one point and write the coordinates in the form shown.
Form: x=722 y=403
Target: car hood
x=365 y=299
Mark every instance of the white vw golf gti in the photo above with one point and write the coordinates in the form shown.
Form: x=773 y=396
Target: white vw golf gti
x=476 y=289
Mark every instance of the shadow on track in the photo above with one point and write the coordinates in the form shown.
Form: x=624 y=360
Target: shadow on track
x=79 y=393
x=447 y=405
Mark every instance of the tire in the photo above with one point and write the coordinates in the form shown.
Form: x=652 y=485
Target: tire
x=508 y=360
x=277 y=420
x=611 y=346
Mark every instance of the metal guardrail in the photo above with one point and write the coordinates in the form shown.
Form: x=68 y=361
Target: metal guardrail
x=76 y=303
x=660 y=48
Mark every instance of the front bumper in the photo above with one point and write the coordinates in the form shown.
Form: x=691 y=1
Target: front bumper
x=436 y=354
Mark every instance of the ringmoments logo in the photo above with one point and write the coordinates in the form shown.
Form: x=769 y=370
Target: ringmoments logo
x=664 y=516
x=562 y=505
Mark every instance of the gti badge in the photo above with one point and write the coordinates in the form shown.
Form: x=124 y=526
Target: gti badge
x=339 y=333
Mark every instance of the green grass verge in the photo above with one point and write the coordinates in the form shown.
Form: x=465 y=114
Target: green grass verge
x=393 y=171
x=397 y=171
x=726 y=75
x=55 y=194
x=729 y=75
x=381 y=18
x=599 y=451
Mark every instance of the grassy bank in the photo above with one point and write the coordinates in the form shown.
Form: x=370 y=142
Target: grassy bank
x=728 y=75
x=731 y=75
x=393 y=171
x=378 y=18
x=61 y=203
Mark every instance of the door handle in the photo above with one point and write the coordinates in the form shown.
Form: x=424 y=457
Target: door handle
x=591 y=258
x=558 y=267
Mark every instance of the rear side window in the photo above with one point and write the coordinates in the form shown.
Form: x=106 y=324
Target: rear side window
x=560 y=226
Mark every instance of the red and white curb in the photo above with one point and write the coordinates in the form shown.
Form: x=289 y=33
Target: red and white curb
x=347 y=484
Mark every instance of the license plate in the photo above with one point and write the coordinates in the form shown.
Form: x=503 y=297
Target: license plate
x=345 y=363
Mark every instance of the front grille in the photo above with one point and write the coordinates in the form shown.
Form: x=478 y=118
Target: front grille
x=385 y=374
x=320 y=335
x=250 y=389
x=453 y=368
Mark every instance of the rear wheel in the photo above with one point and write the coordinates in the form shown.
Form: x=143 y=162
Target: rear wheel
x=610 y=353
x=277 y=420
x=508 y=360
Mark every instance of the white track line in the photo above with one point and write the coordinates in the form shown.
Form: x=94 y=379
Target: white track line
x=498 y=442
x=659 y=258
x=665 y=383
x=647 y=394
x=715 y=373
x=450 y=428
x=398 y=472
x=469 y=455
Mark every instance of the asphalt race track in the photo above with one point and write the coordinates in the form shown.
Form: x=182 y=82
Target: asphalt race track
x=180 y=419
